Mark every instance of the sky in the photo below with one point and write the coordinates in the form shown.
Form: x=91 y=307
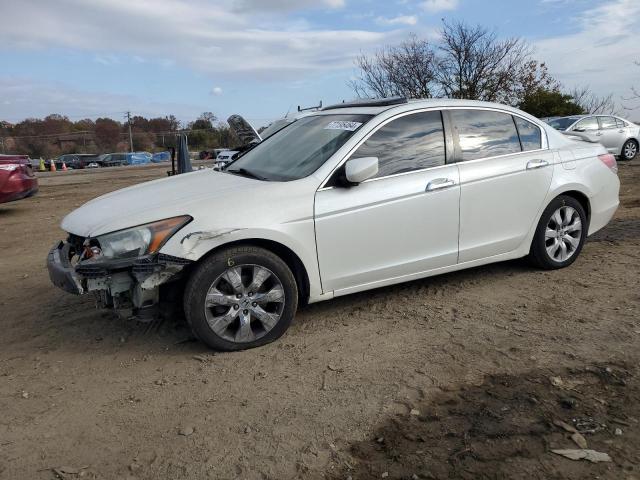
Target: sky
x=263 y=58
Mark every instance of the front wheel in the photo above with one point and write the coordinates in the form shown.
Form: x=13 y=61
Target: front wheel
x=560 y=234
x=240 y=298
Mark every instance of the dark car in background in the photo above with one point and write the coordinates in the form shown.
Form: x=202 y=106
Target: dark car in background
x=75 y=160
x=17 y=179
x=125 y=158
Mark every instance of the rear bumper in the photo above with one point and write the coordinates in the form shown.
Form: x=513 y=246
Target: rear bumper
x=61 y=272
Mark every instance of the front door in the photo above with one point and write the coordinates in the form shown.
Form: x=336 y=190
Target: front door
x=404 y=221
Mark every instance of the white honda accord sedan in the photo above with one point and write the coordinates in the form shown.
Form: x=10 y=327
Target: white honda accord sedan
x=352 y=197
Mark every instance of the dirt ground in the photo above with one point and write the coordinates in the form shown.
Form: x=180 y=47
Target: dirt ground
x=466 y=375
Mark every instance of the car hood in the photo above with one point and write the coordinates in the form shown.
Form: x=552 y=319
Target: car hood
x=157 y=200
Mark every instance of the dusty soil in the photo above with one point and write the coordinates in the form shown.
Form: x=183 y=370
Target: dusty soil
x=457 y=376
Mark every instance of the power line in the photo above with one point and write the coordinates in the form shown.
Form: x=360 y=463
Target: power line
x=128 y=115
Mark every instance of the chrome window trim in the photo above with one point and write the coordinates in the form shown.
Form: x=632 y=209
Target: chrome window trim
x=543 y=140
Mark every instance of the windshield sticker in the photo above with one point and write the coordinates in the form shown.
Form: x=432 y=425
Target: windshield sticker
x=340 y=125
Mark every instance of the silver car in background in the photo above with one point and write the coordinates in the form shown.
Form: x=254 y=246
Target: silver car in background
x=619 y=136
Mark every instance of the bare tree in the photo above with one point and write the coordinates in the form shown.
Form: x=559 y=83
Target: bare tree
x=631 y=102
x=592 y=103
x=408 y=69
x=466 y=62
x=474 y=64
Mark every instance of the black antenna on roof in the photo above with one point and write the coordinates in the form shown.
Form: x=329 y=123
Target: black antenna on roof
x=317 y=107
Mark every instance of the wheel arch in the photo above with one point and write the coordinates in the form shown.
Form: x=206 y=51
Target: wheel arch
x=293 y=261
x=581 y=198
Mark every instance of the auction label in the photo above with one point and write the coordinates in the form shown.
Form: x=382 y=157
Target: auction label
x=342 y=125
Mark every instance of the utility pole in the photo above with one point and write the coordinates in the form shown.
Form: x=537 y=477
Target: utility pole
x=130 y=137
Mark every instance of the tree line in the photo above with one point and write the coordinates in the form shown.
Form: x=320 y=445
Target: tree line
x=472 y=62
x=56 y=134
x=464 y=61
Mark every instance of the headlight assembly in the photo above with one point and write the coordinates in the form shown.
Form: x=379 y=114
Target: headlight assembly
x=141 y=240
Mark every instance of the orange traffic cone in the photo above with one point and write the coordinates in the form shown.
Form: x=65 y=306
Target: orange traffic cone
x=64 y=167
x=52 y=165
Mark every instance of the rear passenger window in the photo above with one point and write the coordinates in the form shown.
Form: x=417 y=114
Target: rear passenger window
x=620 y=123
x=484 y=133
x=530 y=135
x=411 y=142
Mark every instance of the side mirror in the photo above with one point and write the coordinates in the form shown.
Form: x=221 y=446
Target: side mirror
x=357 y=170
x=578 y=129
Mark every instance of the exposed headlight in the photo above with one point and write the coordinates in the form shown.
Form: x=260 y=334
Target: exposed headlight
x=141 y=240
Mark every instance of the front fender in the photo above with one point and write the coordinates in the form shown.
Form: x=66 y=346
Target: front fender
x=299 y=237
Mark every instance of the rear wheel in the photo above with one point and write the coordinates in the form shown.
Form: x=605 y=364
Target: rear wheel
x=560 y=234
x=241 y=298
x=629 y=150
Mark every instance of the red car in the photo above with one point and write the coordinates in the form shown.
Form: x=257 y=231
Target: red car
x=17 y=179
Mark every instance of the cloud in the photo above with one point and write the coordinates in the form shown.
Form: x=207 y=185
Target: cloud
x=216 y=91
x=285 y=5
x=434 y=6
x=605 y=37
x=399 y=20
x=210 y=37
x=26 y=97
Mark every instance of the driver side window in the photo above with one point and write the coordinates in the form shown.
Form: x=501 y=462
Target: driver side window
x=587 y=124
x=411 y=142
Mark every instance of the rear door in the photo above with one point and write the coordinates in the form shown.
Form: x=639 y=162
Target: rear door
x=402 y=222
x=505 y=175
x=612 y=135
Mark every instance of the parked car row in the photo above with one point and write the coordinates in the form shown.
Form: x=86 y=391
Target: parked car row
x=76 y=161
x=619 y=136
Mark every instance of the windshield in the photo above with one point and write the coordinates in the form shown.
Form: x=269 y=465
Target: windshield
x=301 y=148
x=562 y=123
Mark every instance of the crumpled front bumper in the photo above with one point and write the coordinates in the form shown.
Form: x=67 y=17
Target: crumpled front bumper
x=61 y=272
x=121 y=283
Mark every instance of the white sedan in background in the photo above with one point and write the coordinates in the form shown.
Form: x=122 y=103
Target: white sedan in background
x=619 y=136
x=352 y=197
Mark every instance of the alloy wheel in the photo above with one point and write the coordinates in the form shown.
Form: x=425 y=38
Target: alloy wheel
x=630 y=150
x=244 y=303
x=563 y=233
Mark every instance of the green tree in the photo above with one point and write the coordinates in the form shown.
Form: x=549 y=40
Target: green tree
x=549 y=103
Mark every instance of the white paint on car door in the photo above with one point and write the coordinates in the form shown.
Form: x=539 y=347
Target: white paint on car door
x=502 y=188
x=387 y=228
x=612 y=135
x=499 y=200
x=402 y=222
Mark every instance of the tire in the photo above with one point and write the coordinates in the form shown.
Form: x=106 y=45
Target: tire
x=551 y=248
x=223 y=310
x=629 y=150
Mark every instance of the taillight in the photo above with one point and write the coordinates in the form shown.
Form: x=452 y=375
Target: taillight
x=610 y=161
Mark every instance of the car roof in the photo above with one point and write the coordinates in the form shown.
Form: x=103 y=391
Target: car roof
x=414 y=105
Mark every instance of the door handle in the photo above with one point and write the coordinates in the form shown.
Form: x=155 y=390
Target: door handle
x=439 y=183
x=599 y=134
x=621 y=130
x=533 y=164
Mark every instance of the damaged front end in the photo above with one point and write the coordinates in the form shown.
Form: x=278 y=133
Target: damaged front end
x=123 y=269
